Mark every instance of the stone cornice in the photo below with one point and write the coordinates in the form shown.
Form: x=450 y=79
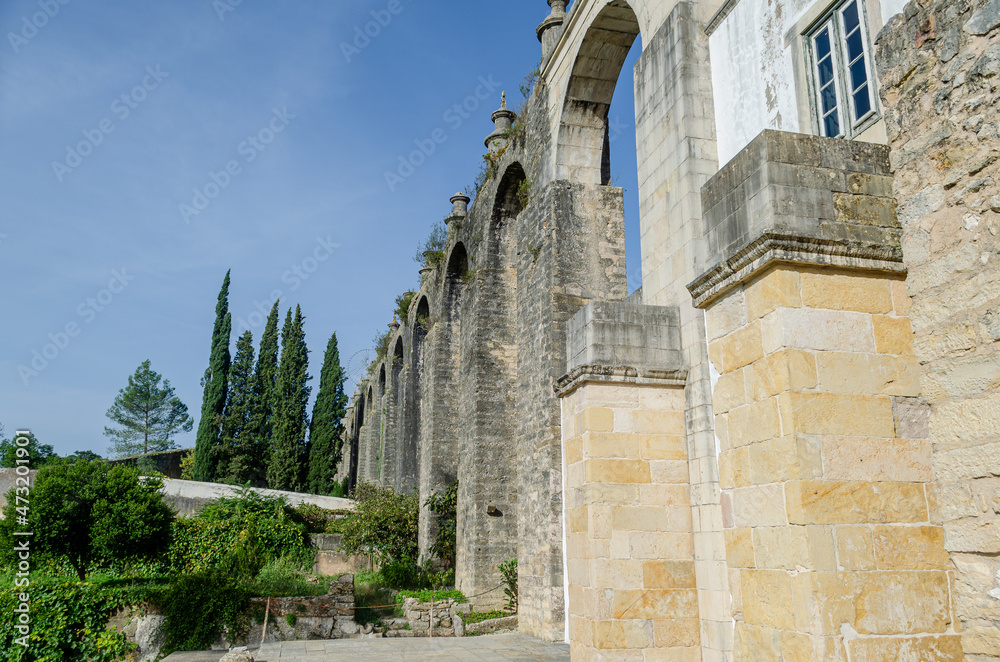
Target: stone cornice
x=713 y=24
x=771 y=248
x=606 y=374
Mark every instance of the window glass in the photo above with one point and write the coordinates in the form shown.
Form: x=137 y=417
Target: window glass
x=842 y=79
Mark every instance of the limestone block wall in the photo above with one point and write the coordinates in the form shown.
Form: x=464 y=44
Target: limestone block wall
x=629 y=541
x=833 y=546
x=628 y=524
x=939 y=64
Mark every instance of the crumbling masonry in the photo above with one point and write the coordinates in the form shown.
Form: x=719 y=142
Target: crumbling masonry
x=786 y=446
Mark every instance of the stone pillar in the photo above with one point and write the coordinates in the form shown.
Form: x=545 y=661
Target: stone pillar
x=832 y=547
x=503 y=120
x=551 y=28
x=629 y=546
x=939 y=64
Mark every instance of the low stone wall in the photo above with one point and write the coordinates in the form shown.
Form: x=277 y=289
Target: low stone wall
x=189 y=497
x=430 y=618
x=330 y=560
x=321 y=617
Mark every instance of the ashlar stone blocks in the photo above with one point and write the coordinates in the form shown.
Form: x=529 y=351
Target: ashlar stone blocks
x=833 y=549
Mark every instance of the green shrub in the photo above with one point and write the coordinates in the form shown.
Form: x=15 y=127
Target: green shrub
x=239 y=536
x=90 y=513
x=445 y=506
x=508 y=571
x=340 y=489
x=68 y=618
x=479 y=617
x=283 y=578
x=197 y=606
x=384 y=525
x=404 y=573
x=314 y=518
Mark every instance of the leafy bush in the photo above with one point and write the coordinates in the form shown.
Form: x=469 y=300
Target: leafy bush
x=445 y=506
x=403 y=302
x=383 y=525
x=283 y=578
x=67 y=623
x=480 y=616
x=314 y=518
x=373 y=601
x=239 y=536
x=340 y=489
x=434 y=246
x=197 y=606
x=187 y=466
x=404 y=573
x=90 y=512
x=508 y=570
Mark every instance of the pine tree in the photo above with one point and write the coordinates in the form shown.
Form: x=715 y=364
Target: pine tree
x=291 y=399
x=215 y=383
x=326 y=427
x=149 y=415
x=265 y=377
x=238 y=457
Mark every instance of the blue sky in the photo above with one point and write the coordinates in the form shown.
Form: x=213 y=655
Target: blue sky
x=151 y=146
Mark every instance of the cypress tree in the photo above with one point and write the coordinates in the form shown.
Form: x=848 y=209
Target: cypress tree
x=238 y=454
x=291 y=400
x=326 y=427
x=265 y=377
x=215 y=382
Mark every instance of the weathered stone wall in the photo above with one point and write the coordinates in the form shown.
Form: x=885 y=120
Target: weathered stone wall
x=833 y=550
x=939 y=65
x=629 y=542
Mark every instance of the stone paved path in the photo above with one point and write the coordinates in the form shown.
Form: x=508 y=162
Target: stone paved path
x=494 y=648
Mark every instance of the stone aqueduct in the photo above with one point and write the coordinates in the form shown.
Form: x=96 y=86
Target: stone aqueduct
x=741 y=461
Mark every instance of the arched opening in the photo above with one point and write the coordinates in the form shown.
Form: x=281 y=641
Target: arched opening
x=381 y=380
x=423 y=320
x=597 y=136
x=511 y=194
x=458 y=263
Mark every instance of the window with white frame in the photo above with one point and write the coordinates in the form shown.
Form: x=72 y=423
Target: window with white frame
x=843 y=84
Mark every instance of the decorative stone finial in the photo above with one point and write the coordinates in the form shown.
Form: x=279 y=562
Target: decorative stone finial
x=550 y=29
x=503 y=120
x=460 y=204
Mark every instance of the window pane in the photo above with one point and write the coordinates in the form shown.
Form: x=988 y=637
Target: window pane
x=862 y=104
x=823 y=44
x=825 y=68
x=850 y=17
x=831 y=125
x=829 y=96
x=859 y=74
x=854 y=46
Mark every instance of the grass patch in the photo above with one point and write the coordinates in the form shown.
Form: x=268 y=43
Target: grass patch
x=427 y=595
x=479 y=617
x=370 y=593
